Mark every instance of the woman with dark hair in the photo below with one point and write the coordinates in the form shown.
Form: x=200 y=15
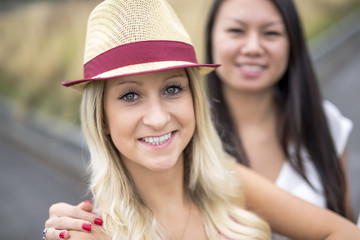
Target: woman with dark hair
x=266 y=102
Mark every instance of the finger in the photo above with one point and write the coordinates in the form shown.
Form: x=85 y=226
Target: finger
x=86 y=206
x=67 y=210
x=68 y=223
x=55 y=234
x=58 y=209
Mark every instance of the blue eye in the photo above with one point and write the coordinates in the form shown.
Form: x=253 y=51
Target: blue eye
x=173 y=90
x=129 y=97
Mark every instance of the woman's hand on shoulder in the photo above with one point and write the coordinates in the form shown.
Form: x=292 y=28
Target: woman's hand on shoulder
x=64 y=217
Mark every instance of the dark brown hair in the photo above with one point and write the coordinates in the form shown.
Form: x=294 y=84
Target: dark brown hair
x=302 y=120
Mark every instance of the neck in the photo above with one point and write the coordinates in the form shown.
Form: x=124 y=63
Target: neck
x=160 y=190
x=164 y=195
x=250 y=108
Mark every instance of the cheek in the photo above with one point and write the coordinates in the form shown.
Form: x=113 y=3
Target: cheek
x=223 y=49
x=186 y=116
x=120 y=127
x=282 y=58
x=122 y=138
x=191 y=120
x=224 y=53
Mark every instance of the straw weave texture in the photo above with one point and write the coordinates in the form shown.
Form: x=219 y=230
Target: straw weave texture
x=117 y=22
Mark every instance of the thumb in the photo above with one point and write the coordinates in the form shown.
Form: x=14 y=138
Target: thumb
x=86 y=206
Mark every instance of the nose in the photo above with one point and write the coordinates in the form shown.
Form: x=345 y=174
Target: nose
x=156 y=116
x=252 y=45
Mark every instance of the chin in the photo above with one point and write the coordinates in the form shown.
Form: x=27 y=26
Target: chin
x=164 y=165
x=252 y=86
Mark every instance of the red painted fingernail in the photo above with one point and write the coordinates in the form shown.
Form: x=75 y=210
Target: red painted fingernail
x=98 y=221
x=62 y=234
x=86 y=227
x=88 y=201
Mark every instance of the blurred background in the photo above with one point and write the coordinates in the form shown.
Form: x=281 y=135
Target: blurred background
x=43 y=157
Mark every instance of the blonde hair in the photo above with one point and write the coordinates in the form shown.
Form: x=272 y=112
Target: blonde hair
x=209 y=177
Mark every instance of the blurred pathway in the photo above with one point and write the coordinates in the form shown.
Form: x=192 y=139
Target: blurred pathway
x=28 y=188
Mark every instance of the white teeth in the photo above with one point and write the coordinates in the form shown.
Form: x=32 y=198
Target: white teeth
x=157 y=140
x=252 y=68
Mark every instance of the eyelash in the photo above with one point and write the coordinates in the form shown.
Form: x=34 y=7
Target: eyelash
x=272 y=33
x=177 y=86
x=124 y=96
x=236 y=30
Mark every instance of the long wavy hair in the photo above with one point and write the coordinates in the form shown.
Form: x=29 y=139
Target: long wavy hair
x=301 y=118
x=209 y=178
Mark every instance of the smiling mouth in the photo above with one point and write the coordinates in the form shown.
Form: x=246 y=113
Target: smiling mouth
x=157 y=140
x=251 y=68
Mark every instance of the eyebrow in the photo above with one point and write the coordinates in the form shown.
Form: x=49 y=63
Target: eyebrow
x=274 y=23
x=265 y=25
x=128 y=81
x=236 y=20
x=174 y=76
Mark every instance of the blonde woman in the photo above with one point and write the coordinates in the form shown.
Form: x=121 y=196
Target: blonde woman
x=158 y=170
x=157 y=167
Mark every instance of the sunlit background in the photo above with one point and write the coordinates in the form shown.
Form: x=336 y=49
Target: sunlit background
x=41 y=45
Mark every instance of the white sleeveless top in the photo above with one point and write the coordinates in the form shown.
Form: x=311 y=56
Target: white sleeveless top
x=289 y=180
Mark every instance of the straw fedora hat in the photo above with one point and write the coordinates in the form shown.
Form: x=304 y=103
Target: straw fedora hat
x=127 y=37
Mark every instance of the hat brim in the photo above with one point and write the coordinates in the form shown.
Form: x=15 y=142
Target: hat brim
x=142 y=69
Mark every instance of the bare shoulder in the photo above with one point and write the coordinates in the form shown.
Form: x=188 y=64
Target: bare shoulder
x=97 y=233
x=245 y=173
x=249 y=176
x=255 y=186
